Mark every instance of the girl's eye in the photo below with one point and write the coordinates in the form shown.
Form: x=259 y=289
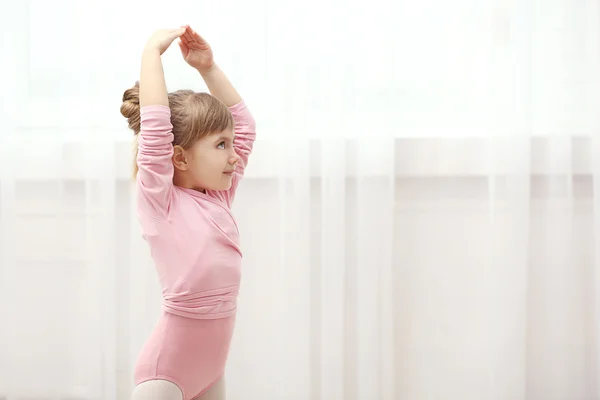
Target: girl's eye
x=221 y=145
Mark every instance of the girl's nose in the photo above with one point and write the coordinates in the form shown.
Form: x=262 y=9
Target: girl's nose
x=233 y=160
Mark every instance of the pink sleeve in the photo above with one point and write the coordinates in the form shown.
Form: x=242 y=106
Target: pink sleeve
x=155 y=149
x=245 y=135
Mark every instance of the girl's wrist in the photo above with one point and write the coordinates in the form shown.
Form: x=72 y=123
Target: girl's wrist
x=151 y=49
x=207 y=70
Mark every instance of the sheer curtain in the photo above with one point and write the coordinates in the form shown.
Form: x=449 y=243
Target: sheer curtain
x=420 y=219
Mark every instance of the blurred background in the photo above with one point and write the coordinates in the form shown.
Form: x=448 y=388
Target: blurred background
x=420 y=218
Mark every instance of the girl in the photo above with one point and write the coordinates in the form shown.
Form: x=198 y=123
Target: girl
x=192 y=149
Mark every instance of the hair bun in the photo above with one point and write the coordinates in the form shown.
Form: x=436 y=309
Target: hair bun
x=130 y=108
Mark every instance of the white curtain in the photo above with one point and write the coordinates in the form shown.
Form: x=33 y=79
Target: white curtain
x=420 y=218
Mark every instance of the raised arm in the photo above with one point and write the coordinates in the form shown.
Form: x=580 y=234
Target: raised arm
x=245 y=126
x=198 y=54
x=245 y=135
x=155 y=168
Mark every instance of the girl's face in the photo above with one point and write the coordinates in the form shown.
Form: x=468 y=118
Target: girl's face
x=208 y=164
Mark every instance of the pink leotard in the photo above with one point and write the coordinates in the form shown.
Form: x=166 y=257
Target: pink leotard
x=194 y=241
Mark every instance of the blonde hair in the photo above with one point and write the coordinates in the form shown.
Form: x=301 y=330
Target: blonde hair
x=193 y=115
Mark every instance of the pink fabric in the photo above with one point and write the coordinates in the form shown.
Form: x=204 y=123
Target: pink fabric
x=194 y=241
x=189 y=352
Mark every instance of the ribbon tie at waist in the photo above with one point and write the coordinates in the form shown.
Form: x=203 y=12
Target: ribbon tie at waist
x=217 y=303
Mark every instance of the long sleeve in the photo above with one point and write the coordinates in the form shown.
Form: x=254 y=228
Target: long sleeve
x=245 y=135
x=155 y=168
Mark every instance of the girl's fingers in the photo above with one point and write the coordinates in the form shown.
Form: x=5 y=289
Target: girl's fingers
x=191 y=39
x=189 y=35
x=186 y=34
x=193 y=36
x=184 y=49
x=177 y=33
x=183 y=37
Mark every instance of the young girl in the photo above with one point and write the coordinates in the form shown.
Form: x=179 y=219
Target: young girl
x=192 y=152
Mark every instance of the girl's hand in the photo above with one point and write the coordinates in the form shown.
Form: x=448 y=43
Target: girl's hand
x=162 y=39
x=195 y=50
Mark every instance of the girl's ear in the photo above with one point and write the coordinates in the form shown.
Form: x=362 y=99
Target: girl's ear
x=179 y=158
